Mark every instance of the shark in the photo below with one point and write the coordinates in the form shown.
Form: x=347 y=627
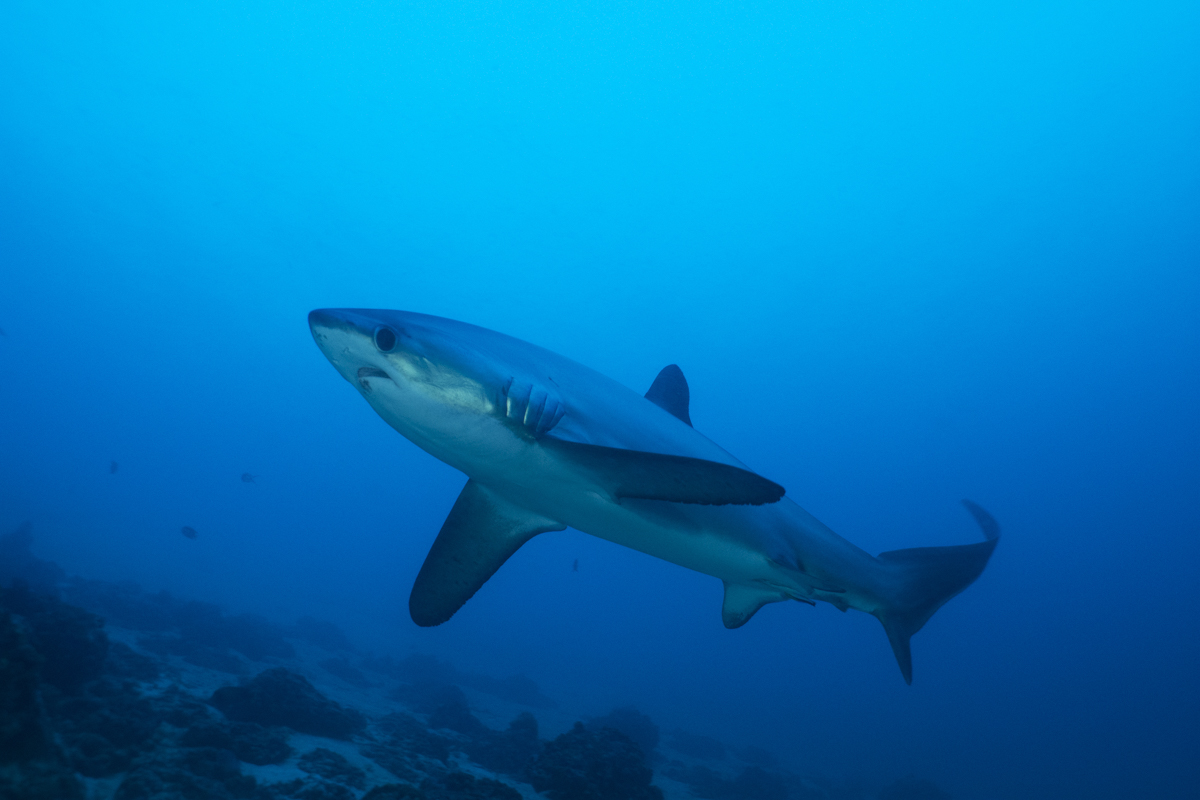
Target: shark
x=547 y=443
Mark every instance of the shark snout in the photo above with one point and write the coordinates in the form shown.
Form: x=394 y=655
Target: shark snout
x=342 y=326
x=355 y=320
x=348 y=343
x=358 y=342
x=342 y=318
x=320 y=318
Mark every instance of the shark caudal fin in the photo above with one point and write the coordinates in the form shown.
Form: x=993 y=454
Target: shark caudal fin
x=927 y=577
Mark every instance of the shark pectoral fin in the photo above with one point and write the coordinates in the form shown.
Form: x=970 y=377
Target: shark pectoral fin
x=742 y=601
x=480 y=534
x=640 y=475
x=670 y=393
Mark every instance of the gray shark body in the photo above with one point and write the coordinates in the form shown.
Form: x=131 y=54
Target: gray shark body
x=548 y=443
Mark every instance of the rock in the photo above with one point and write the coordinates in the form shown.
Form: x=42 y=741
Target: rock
x=101 y=720
x=416 y=668
x=341 y=668
x=199 y=631
x=257 y=745
x=249 y=741
x=323 y=634
x=220 y=766
x=181 y=709
x=18 y=563
x=95 y=756
x=701 y=747
x=252 y=636
x=509 y=752
x=450 y=711
x=70 y=641
x=753 y=783
x=406 y=746
x=310 y=789
x=514 y=689
x=204 y=773
x=758 y=756
x=39 y=779
x=196 y=654
x=406 y=731
x=593 y=765
x=422 y=670
x=104 y=727
x=913 y=788
x=333 y=767
x=126 y=663
x=426 y=697
x=280 y=697
x=23 y=734
x=393 y=759
x=394 y=791
x=631 y=722
x=32 y=767
x=462 y=786
x=123 y=603
x=203 y=625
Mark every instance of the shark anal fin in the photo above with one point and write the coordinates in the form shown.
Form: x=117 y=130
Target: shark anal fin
x=478 y=536
x=742 y=601
x=637 y=474
x=670 y=393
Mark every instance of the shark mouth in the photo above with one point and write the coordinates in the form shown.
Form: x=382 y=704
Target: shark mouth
x=370 y=372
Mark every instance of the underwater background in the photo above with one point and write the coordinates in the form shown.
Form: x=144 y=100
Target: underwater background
x=905 y=254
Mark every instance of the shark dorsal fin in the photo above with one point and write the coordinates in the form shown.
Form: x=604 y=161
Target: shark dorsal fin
x=670 y=392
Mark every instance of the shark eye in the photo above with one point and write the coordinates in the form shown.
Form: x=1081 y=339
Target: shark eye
x=385 y=339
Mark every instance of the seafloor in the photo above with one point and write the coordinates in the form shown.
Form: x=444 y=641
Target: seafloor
x=108 y=691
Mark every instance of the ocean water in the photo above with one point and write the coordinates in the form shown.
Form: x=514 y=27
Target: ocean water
x=905 y=254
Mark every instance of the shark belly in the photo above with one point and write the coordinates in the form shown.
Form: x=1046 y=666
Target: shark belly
x=685 y=543
x=692 y=537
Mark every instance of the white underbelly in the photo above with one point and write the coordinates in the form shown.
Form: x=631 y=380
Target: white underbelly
x=530 y=477
x=570 y=499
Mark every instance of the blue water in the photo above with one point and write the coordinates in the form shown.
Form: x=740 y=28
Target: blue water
x=904 y=253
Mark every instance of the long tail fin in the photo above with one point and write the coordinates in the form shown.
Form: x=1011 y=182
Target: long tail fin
x=928 y=577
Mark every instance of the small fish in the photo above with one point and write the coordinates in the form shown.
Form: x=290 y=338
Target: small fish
x=188 y=531
x=247 y=478
x=575 y=566
x=113 y=467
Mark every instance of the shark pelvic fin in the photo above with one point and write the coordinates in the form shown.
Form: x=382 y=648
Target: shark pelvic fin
x=480 y=534
x=743 y=601
x=670 y=392
x=636 y=474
